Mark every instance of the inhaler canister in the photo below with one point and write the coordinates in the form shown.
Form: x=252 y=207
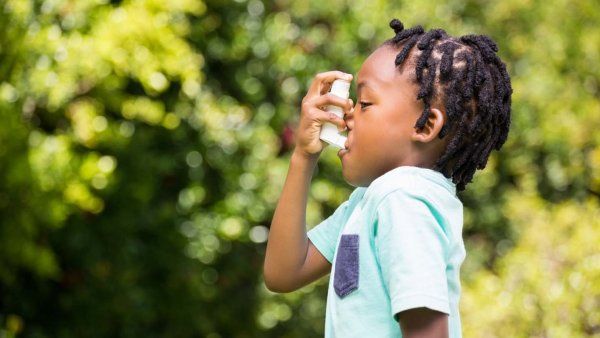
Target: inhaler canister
x=329 y=132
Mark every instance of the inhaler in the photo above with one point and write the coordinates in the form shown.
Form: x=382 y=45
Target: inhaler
x=329 y=131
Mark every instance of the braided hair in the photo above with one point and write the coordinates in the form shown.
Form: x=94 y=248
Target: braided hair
x=467 y=76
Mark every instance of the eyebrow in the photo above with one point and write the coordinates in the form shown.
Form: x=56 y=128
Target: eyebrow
x=361 y=85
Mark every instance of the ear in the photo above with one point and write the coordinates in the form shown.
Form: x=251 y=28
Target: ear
x=432 y=128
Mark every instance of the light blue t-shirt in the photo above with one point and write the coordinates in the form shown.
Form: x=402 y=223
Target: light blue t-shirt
x=394 y=245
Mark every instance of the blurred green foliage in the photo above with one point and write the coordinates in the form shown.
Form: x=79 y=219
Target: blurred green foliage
x=144 y=145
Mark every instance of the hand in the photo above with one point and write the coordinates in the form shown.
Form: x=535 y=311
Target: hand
x=313 y=116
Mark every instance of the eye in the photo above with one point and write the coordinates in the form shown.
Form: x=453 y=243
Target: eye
x=364 y=104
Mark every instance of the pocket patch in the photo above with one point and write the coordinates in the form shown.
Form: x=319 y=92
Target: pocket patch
x=345 y=278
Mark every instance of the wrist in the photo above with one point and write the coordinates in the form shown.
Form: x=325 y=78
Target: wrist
x=301 y=156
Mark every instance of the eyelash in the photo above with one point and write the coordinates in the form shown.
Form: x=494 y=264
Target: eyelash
x=362 y=103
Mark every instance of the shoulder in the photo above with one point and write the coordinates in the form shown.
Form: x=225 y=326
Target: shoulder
x=403 y=202
x=413 y=187
x=405 y=214
x=412 y=183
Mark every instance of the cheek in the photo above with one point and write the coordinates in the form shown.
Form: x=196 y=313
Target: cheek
x=384 y=129
x=387 y=136
x=369 y=147
x=398 y=122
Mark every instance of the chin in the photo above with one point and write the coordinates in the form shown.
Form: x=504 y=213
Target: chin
x=347 y=177
x=353 y=179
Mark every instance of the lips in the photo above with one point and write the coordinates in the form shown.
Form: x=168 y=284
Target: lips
x=344 y=151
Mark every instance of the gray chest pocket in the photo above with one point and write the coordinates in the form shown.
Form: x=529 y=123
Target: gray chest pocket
x=345 y=278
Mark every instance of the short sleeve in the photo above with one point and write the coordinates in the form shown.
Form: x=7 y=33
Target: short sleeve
x=325 y=234
x=411 y=246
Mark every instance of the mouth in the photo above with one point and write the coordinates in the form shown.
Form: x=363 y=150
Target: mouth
x=344 y=151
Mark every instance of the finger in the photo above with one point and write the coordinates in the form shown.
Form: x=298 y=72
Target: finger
x=323 y=100
x=348 y=114
x=325 y=88
x=324 y=78
x=323 y=116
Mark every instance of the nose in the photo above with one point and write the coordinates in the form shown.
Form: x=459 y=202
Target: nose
x=349 y=118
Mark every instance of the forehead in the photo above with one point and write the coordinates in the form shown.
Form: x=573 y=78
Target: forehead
x=380 y=68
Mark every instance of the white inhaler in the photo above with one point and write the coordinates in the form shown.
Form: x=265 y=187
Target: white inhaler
x=329 y=132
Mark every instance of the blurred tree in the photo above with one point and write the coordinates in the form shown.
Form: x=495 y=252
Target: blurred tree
x=547 y=285
x=145 y=143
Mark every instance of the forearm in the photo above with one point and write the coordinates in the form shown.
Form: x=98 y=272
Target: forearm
x=287 y=243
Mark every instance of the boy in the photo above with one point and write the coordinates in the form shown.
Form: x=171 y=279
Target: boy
x=430 y=109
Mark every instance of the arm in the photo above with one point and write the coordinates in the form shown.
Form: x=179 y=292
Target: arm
x=423 y=323
x=291 y=260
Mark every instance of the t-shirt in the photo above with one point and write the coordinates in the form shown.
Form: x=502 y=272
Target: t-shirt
x=394 y=245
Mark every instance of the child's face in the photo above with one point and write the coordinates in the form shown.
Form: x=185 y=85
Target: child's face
x=380 y=128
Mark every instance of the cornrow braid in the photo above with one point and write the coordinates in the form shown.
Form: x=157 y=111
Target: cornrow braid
x=465 y=75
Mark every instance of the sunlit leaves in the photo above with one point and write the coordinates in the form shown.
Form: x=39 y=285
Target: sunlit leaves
x=145 y=145
x=547 y=285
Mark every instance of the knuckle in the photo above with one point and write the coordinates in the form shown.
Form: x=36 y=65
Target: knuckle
x=308 y=103
x=304 y=104
x=336 y=100
x=332 y=97
x=312 y=114
x=315 y=114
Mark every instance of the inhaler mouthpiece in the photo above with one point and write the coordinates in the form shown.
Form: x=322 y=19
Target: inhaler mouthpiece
x=329 y=132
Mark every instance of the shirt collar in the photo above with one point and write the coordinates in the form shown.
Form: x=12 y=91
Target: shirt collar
x=429 y=174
